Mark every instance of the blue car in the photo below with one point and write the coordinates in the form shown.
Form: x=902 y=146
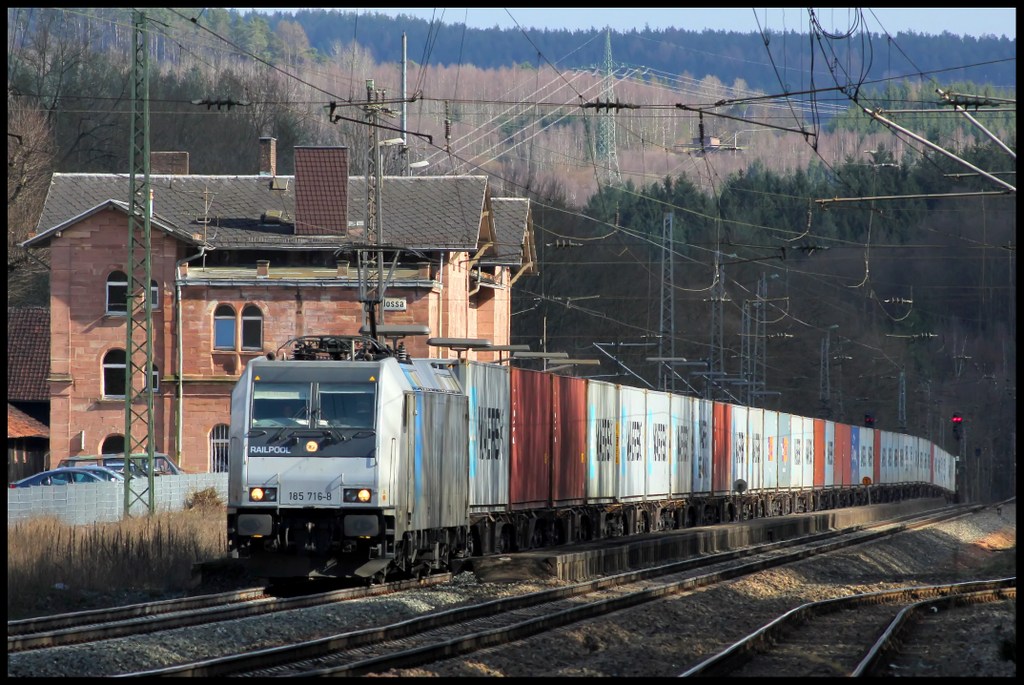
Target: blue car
x=164 y=465
x=69 y=476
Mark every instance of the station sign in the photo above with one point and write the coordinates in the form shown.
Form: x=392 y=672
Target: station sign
x=394 y=304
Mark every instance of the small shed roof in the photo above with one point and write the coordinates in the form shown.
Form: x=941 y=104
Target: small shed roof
x=21 y=425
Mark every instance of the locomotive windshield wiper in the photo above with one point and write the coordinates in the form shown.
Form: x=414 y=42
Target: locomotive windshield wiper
x=340 y=435
x=354 y=433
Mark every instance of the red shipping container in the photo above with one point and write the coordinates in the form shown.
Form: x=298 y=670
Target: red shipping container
x=568 y=440
x=819 y=453
x=530 y=477
x=721 y=448
x=877 y=475
x=842 y=476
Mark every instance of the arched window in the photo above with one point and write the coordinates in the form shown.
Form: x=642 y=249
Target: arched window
x=219 y=448
x=117 y=293
x=224 y=327
x=252 y=328
x=114 y=374
x=156 y=378
x=154 y=294
x=113 y=444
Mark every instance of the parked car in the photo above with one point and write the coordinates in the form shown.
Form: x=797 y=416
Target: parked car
x=69 y=475
x=165 y=466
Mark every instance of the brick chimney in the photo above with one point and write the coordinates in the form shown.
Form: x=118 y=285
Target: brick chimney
x=268 y=156
x=168 y=163
x=321 y=190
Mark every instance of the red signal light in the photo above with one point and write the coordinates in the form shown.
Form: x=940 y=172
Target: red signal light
x=956 y=418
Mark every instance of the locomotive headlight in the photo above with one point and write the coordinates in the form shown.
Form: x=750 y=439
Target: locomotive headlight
x=362 y=495
x=262 y=494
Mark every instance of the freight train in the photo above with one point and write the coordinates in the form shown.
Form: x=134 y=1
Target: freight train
x=350 y=459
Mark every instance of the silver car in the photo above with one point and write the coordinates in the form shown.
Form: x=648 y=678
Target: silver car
x=70 y=475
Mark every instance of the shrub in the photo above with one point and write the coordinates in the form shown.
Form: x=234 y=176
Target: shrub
x=204 y=499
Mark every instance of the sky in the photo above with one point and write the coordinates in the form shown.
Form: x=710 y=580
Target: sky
x=961 y=21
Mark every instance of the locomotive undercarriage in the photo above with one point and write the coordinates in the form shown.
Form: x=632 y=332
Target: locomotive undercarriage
x=312 y=543
x=504 y=533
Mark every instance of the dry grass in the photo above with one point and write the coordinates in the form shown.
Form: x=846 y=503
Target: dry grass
x=53 y=567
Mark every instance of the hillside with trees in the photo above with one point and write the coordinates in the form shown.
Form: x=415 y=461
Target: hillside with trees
x=915 y=296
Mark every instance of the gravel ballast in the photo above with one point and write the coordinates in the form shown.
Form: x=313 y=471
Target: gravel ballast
x=654 y=640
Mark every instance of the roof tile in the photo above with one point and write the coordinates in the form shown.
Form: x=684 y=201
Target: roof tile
x=28 y=353
x=417 y=212
x=21 y=425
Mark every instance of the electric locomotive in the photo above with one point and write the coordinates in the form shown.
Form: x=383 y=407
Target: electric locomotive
x=328 y=460
x=353 y=460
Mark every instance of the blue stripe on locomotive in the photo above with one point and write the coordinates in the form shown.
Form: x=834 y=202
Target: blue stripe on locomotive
x=473 y=432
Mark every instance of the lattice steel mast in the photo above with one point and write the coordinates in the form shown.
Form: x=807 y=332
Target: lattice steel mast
x=373 y=297
x=606 y=155
x=667 y=341
x=716 y=354
x=138 y=385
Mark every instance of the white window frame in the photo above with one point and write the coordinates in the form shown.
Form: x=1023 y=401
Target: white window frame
x=234 y=327
x=123 y=301
x=248 y=315
x=219 y=442
x=112 y=366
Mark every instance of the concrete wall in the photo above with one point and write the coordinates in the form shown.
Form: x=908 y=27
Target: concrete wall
x=104 y=502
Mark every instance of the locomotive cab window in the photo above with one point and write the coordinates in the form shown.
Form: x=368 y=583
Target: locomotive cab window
x=347 y=405
x=280 y=405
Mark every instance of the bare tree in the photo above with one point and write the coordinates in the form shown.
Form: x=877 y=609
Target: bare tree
x=30 y=153
x=294 y=42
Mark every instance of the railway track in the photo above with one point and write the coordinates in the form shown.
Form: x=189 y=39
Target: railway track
x=464 y=629
x=106 y=624
x=846 y=636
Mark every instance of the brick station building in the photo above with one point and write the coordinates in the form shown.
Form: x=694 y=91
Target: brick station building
x=240 y=265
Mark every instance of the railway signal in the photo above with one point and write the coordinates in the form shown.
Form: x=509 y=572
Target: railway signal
x=957 y=421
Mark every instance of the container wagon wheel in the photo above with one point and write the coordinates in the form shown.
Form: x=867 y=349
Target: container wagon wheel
x=502 y=543
x=586 y=531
